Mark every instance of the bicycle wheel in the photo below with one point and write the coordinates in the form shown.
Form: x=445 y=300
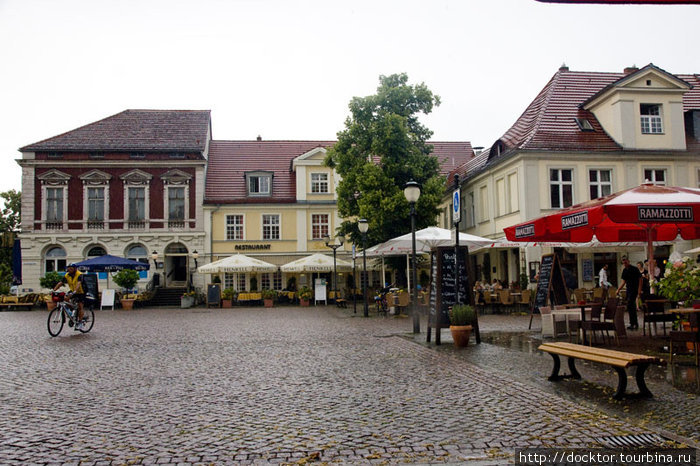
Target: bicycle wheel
x=88 y=320
x=55 y=322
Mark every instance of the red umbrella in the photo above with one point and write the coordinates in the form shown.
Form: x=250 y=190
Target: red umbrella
x=646 y=213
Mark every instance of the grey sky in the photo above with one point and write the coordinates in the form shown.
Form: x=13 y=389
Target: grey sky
x=287 y=69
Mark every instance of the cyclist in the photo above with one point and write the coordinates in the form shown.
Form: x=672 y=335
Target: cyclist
x=74 y=279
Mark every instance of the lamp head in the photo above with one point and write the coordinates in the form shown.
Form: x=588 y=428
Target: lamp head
x=363 y=225
x=412 y=192
x=341 y=239
x=195 y=255
x=154 y=255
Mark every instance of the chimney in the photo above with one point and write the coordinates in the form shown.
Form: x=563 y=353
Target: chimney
x=631 y=69
x=563 y=67
x=259 y=138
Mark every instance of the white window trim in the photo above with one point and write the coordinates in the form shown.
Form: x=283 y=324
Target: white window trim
x=322 y=183
x=598 y=183
x=45 y=204
x=561 y=184
x=649 y=119
x=483 y=216
x=242 y=226
x=262 y=226
x=137 y=179
x=328 y=224
x=95 y=179
x=654 y=169
x=258 y=174
x=166 y=200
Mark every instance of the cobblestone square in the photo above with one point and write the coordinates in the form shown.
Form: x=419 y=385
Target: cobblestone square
x=268 y=386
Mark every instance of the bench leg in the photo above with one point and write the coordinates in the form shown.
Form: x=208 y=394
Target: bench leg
x=572 y=368
x=639 y=376
x=621 y=383
x=555 y=370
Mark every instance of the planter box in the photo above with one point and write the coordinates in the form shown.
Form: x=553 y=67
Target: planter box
x=186 y=301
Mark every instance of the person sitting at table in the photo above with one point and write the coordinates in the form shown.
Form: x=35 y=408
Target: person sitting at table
x=479 y=292
x=645 y=289
x=496 y=285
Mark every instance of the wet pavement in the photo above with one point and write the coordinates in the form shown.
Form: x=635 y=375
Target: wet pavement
x=293 y=385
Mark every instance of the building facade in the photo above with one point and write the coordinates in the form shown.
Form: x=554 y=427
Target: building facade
x=131 y=185
x=586 y=135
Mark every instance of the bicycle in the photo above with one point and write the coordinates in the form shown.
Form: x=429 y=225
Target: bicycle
x=380 y=300
x=67 y=310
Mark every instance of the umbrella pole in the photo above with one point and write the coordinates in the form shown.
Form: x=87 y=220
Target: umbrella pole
x=650 y=256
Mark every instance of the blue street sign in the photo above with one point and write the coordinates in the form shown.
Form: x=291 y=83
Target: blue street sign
x=456 y=207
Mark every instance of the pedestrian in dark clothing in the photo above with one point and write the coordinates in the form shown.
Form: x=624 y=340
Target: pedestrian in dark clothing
x=632 y=278
x=646 y=289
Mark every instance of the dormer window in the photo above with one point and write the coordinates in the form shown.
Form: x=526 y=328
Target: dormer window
x=319 y=182
x=650 y=115
x=584 y=124
x=259 y=183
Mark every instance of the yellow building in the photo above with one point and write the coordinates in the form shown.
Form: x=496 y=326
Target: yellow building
x=586 y=135
x=276 y=201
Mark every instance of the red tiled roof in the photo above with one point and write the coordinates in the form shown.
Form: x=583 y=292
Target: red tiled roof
x=548 y=122
x=136 y=130
x=230 y=160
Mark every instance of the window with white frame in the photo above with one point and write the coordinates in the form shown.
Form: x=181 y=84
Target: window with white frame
x=137 y=252
x=55 y=260
x=137 y=207
x=319 y=182
x=234 y=227
x=599 y=183
x=228 y=280
x=176 y=206
x=240 y=285
x=96 y=251
x=277 y=280
x=54 y=208
x=259 y=184
x=265 y=281
x=483 y=204
x=650 y=115
x=270 y=226
x=319 y=226
x=96 y=207
x=500 y=197
x=655 y=176
x=561 y=187
x=470 y=210
x=513 y=198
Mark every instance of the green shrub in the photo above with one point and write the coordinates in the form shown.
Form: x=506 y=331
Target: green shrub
x=228 y=294
x=462 y=314
x=50 y=280
x=126 y=278
x=269 y=294
x=305 y=293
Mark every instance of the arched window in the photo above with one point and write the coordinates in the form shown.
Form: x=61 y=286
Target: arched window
x=137 y=252
x=55 y=260
x=176 y=248
x=96 y=251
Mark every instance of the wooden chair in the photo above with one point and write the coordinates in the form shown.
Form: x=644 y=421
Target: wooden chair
x=579 y=295
x=685 y=336
x=612 y=292
x=402 y=301
x=653 y=314
x=597 y=294
x=525 y=298
x=594 y=324
x=504 y=298
x=551 y=327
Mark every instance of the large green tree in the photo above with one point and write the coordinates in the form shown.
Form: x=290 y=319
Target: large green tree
x=9 y=226
x=382 y=147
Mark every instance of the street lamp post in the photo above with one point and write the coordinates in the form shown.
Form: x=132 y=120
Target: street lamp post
x=334 y=246
x=412 y=193
x=195 y=256
x=363 y=227
x=154 y=256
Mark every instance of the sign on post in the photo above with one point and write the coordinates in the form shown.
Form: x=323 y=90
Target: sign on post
x=456 y=207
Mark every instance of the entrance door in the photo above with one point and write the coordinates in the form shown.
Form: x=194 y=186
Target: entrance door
x=176 y=264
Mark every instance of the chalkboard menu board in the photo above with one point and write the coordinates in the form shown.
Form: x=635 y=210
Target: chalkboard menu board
x=214 y=294
x=443 y=293
x=551 y=287
x=587 y=270
x=90 y=286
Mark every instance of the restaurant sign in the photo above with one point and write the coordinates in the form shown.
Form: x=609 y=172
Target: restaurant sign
x=523 y=231
x=252 y=247
x=574 y=220
x=647 y=213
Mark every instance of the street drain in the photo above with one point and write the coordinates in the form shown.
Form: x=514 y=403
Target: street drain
x=633 y=441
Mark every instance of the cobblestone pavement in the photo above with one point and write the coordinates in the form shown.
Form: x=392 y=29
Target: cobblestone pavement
x=281 y=385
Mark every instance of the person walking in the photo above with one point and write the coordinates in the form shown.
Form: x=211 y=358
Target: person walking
x=603 y=281
x=631 y=278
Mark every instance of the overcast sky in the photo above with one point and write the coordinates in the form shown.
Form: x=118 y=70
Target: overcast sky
x=286 y=69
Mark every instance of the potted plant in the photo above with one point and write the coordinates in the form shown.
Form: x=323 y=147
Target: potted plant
x=269 y=297
x=187 y=299
x=462 y=317
x=227 y=297
x=304 y=295
x=50 y=280
x=127 y=279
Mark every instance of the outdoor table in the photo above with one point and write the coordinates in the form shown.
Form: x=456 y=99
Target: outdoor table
x=250 y=296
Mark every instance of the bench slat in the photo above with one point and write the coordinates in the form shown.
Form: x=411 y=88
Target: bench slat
x=633 y=358
x=600 y=359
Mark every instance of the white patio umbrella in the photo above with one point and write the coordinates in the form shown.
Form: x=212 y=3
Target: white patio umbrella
x=693 y=251
x=426 y=239
x=237 y=263
x=316 y=263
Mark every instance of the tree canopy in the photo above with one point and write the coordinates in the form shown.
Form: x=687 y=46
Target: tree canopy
x=9 y=226
x=382 y=147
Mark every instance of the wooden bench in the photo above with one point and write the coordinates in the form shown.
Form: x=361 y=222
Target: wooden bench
x=618 y=360
x=9 y=306
x=341 y=302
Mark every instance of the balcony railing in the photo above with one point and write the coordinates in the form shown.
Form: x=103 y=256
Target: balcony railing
x=137 y=224
x=176 y=224
x=54 y=225
x=95 y=225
